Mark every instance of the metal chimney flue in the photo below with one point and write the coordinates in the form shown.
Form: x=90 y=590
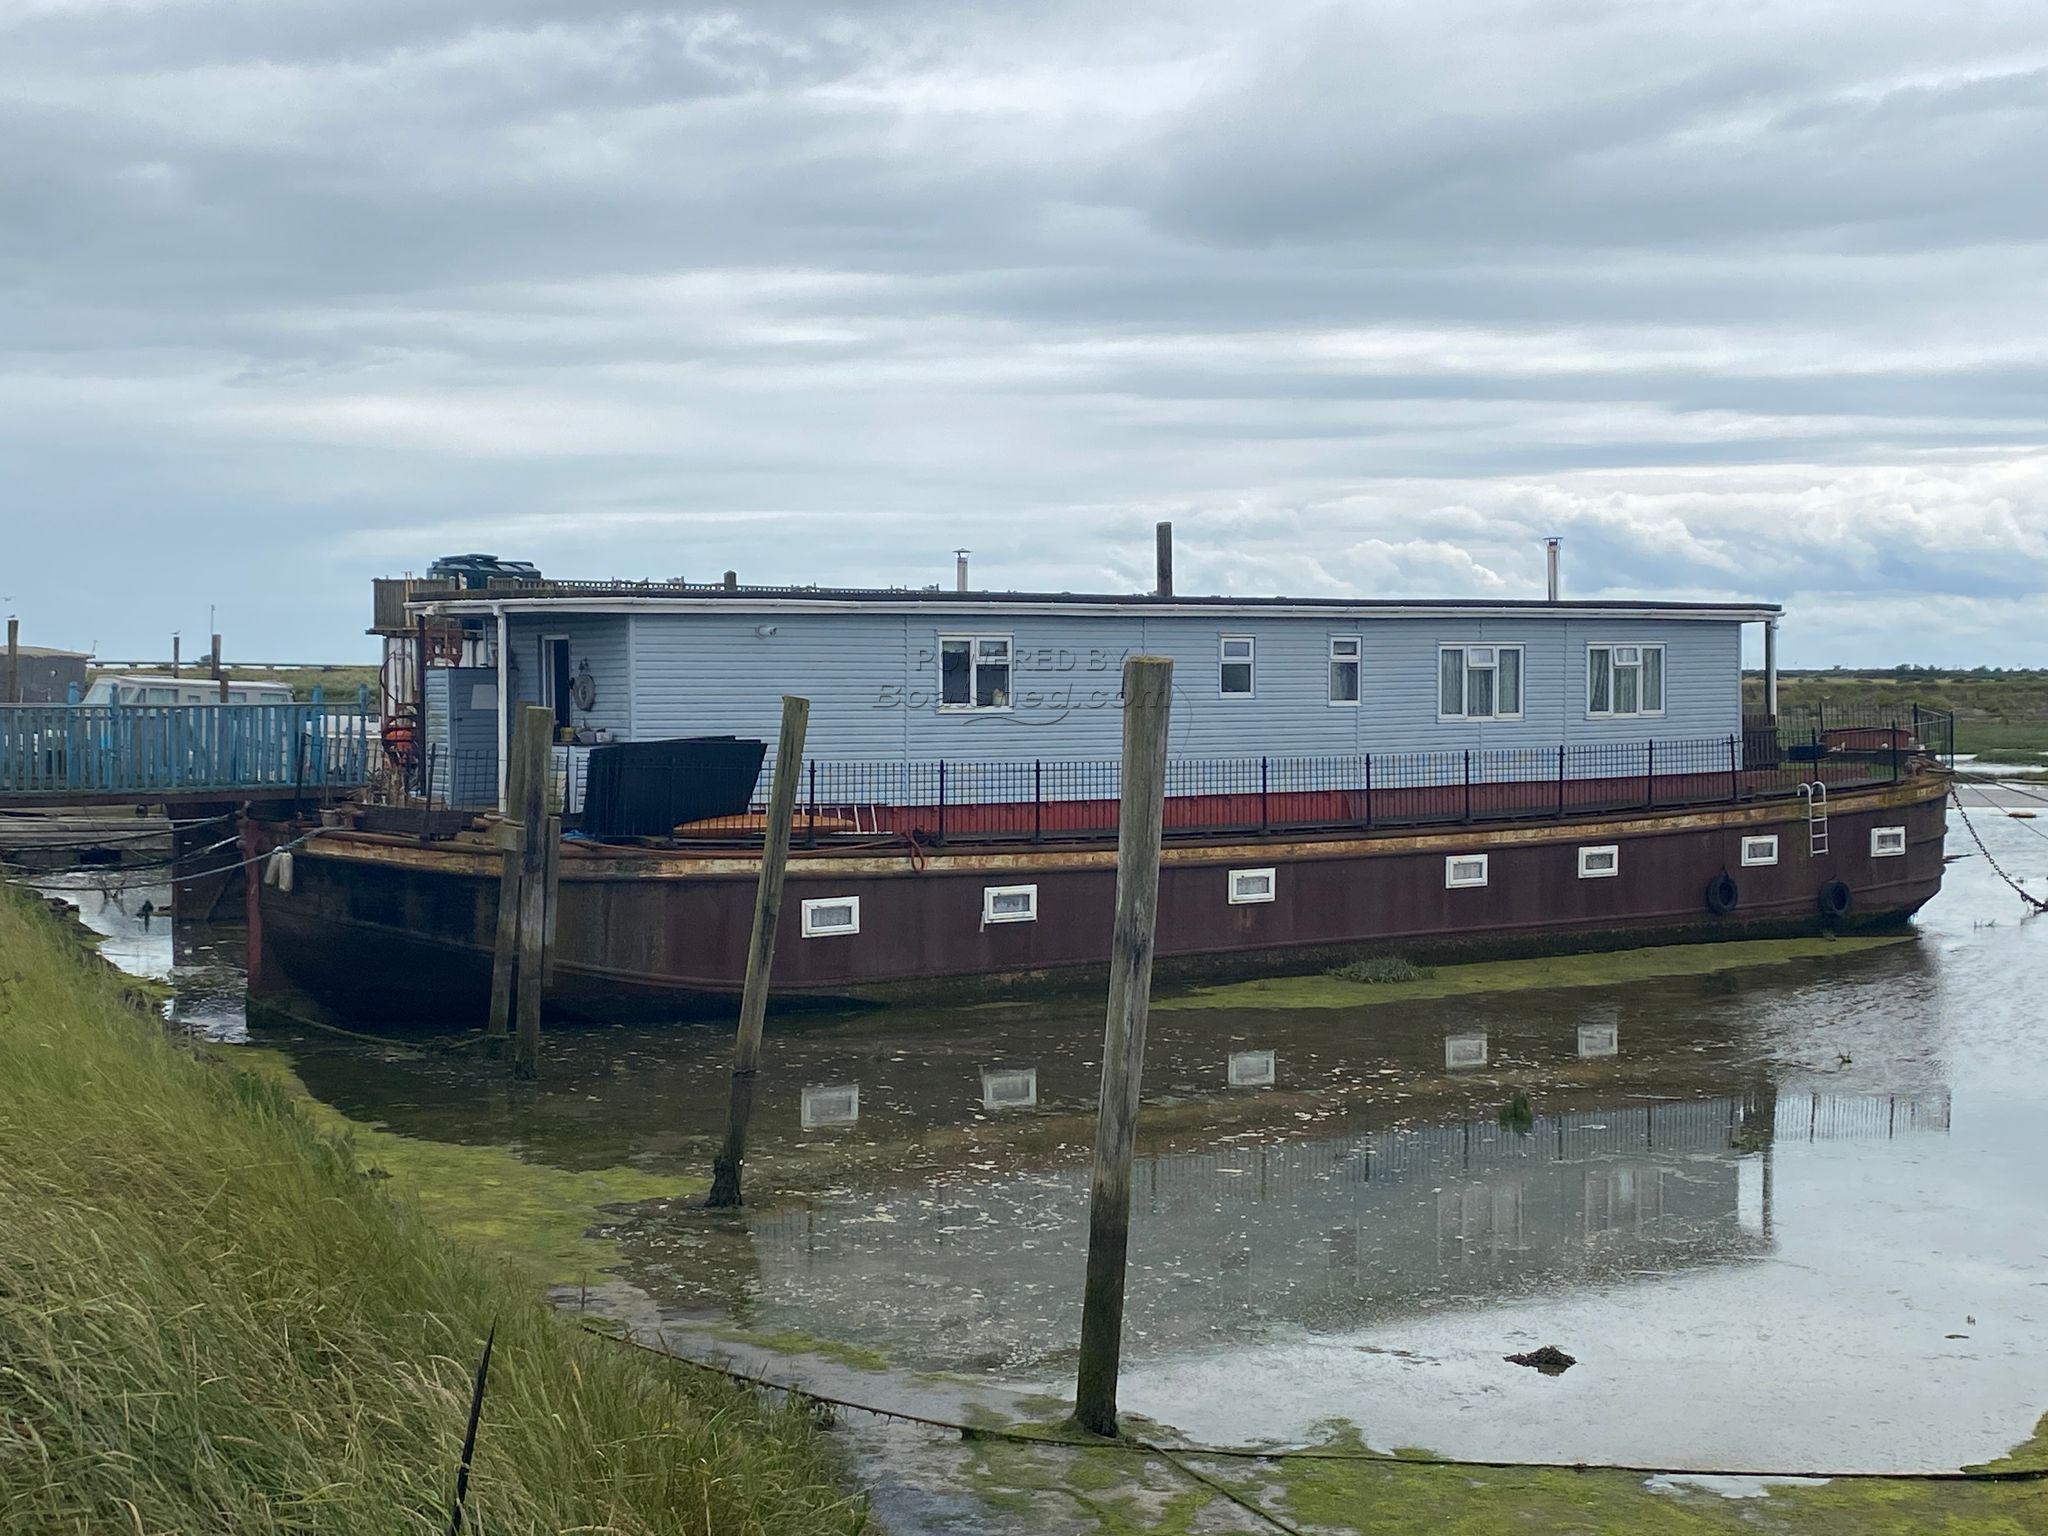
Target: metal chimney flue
x=1555 y=578
x=960 y=569
x=1162 y=585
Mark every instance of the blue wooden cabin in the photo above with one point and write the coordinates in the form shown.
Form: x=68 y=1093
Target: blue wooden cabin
x=911 y=677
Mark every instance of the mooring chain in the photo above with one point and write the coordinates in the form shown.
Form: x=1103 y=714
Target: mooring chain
x=1956 y=794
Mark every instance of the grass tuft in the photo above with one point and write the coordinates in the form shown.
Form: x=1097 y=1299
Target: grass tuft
x=1380 y=970
x=212 y=1320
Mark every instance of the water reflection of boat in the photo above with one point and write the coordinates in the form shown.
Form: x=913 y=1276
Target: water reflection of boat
x=1324 y=1233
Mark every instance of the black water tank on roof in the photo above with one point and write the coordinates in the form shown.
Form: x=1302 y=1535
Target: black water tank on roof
x=648 y=788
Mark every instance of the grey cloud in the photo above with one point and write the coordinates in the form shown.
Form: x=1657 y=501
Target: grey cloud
x=1742 y=302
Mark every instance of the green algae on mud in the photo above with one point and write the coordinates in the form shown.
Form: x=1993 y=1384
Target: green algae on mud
x=789 y=1341
x=1346 y=1487
x=1600 y=969
x=488 y=1197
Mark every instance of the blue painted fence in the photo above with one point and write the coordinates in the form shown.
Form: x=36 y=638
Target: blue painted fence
x=131 y=748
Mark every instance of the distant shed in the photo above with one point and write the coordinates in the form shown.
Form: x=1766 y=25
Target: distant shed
x=46 y=674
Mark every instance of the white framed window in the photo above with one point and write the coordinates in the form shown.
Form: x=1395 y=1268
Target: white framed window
x=1234 y=666
x=1009 y=904
x=1624 y=680
x=1602 y=863
x=1251 y=1069
x=1009 y=1088
x=1887 y=842
x=829 y=915
x=1462 y=869
x=1464 y=1051
x=1479 y=682
x=1759 y=850
x=1249 y=885
x=1347 y=653
x=974 y=672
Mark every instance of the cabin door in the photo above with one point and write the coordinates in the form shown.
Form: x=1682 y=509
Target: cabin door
x=554 y=677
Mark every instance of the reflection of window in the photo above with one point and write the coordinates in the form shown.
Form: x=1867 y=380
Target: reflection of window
x=1599 y=863
x=1625 y=680
x=1009 y=904
x=1887 y=842
x=1011 y=1088
x=1465 y=869
x=1345 y=653
x=974 y=672
x=1249 y=885
x=838 y=1104
x=1759 y=850
x=1251 y=1069
x=1479 y=682
x=1599 y=1040
x=830 y=915
x=1234 y=666
x=1464 y=1051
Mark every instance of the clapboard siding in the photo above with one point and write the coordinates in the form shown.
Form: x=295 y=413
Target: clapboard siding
x=601 y=640
x=873 y=681
x=717 y=674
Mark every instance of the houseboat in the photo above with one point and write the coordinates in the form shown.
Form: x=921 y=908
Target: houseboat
x=1347 y=776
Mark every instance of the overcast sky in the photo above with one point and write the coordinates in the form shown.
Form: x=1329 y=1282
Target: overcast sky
x=1742 y=299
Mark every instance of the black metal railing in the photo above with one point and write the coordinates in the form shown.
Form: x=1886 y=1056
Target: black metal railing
x=951 y=800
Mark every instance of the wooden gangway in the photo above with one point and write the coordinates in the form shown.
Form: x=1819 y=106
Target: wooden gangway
x=87 y=754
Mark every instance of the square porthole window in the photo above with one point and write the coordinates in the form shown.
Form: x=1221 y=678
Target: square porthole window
x=1009 y=904
x=1759 y=850
x=1887 y=842
x=1462 y=869
x=830 y=915
x=1599 y=863
x=1251 y=1069
x=1248 y=885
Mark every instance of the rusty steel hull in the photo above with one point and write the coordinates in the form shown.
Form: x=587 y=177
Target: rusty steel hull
x=392 y=930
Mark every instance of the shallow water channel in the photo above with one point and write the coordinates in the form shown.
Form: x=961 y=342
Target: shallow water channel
x=1785 y=1216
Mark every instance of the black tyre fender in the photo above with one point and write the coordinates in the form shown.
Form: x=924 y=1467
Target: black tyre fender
x=1723 y=894
x=1835 y=899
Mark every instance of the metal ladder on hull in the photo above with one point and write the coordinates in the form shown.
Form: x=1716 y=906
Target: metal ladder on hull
x=1816 y=795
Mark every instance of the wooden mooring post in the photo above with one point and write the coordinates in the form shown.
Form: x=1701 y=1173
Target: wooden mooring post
x=519 y=959
x=746 y=1052
x=1148 y=691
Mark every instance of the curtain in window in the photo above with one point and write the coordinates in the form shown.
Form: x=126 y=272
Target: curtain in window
x=1451 y=683
x=1626 y=697
x=1510 y=701
x=992 y=674
x=954 y=664
x=1600 y=681
x=1653 y=678
x=1479 y=692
